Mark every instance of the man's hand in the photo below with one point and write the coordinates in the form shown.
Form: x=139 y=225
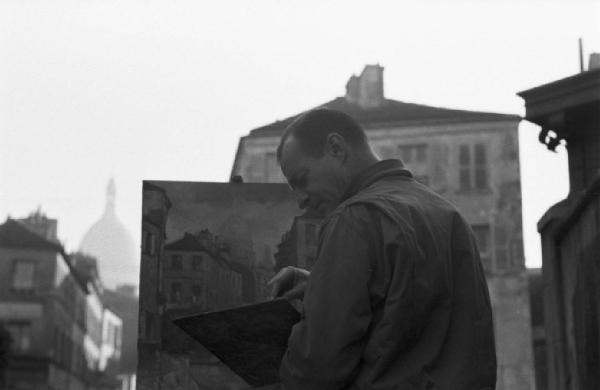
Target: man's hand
x=289 y=283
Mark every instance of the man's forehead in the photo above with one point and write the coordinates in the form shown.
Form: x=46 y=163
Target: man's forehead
x=290 y=155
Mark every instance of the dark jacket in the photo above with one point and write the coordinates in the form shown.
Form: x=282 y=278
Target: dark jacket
x=397 y=298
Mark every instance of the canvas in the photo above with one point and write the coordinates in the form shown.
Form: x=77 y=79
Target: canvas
x=208 y=247
x=251 y=339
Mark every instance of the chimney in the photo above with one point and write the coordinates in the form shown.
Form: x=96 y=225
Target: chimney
x=38 y=223
x=366 y=90
x=594 y=62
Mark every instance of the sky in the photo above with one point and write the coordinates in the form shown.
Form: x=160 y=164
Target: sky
x=163 y=90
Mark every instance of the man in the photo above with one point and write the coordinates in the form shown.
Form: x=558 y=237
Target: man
x=397 y=298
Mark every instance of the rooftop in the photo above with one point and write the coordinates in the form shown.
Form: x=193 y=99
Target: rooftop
x=188 y=243
x=14 y=235
x=365 y=101
x=392 y=112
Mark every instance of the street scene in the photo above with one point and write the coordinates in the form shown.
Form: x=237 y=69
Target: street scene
x=144 y=178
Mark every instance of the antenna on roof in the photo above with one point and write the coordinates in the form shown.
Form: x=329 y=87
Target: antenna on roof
x=580 y=55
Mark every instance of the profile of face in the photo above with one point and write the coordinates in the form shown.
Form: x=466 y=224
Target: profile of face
x=319 y=182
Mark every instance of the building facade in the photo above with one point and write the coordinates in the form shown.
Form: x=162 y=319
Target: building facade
x=155 y=211
x=570 y=230
x=53 y=311
x=199 y=275
x=205 y=247
x=124 y=303
x=470 y=158
x=104 y=328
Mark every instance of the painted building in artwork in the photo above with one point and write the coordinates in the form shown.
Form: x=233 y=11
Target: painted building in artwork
x=51 y=303
x=155 y=211
x=298 y=246
x=198 y=275
x=471 y=158
x=188 y=269
x=568 y=112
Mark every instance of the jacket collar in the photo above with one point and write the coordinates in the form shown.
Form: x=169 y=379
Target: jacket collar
x=375 y=172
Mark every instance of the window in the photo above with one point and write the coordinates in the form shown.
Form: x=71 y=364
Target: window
x=421 y=153
x=196 y=293
x=175 y=292
x=472 y=165
x=464 y=166
x=413 y=153
x=110 y=334
x=23 y=276
x=197 y=262
x=501 y=240
x=116 y=334
x=480 y=166
x=20 y=332
x=482 y=236
x=118 y=337
x=176 y=262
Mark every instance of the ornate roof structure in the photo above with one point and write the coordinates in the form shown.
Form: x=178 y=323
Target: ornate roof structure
x=111 y=243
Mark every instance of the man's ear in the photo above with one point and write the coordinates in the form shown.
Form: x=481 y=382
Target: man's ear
x=336 y=147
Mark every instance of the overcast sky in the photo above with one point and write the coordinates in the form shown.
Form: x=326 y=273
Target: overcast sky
x=164 y=89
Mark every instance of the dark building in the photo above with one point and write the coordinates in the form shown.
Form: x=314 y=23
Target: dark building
x=155 y=210
x=538 y=330
x=568 y=111
x=52 y=311
x=125 y=304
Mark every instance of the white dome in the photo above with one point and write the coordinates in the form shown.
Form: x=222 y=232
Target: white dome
x=112 y=245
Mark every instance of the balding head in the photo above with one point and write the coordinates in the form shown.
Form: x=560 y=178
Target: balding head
x=312 y=128
x=320 y=154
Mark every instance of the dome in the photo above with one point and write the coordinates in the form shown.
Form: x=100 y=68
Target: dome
x=112 y=245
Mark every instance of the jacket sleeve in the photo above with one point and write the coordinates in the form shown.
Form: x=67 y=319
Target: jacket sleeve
x=326 y=346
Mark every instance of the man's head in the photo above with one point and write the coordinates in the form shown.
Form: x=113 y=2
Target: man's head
x=320 y=153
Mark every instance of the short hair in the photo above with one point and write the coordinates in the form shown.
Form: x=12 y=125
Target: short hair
x=312 y=128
